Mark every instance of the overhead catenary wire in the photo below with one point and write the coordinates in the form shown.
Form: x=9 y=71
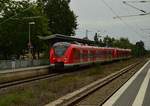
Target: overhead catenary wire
x=139 y=27
x=132 y=15
x=143 y=14
x=15 y=15
x=146 y=29
x=33 y=17
x=126 y=3
x=127 y=25
x=140 y=1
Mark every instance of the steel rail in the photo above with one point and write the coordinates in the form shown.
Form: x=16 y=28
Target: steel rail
x=17 y=82
x=70 y=101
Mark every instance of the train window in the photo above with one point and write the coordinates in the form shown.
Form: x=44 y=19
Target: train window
x=76 y=54
x=60 y=48
x=92 y=54
x=110 y=52
x=100 y=53
x=97 y=53
x=84 y=54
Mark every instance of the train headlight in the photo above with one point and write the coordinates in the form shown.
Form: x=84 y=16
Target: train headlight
x=65 y=59
x=54 y=58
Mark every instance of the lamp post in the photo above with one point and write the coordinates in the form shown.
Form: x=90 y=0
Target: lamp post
x=29 y=44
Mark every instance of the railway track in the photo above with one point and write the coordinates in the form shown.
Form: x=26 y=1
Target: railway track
x=22 y=81
x=79 y=95
x=34 y=78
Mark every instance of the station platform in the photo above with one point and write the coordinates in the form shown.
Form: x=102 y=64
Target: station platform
x=24 y=69
x=135 y=92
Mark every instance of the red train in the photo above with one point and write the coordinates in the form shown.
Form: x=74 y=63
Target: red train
x=67 y=54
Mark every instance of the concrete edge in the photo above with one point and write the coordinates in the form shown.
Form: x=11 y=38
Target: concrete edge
x=24 y=69
x=68 y=96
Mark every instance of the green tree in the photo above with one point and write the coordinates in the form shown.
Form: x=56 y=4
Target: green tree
x=62 y=19
x=108 y=41
x=138 y=49
x=14 y=27
x=96 y=39
x=122 y=43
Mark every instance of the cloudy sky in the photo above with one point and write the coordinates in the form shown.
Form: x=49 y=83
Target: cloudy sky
x=97 y=15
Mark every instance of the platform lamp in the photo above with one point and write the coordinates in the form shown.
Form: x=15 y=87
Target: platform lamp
x=30 y=44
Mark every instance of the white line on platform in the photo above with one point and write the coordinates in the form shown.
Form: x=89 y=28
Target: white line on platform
x=140 y=96
x=116 y=96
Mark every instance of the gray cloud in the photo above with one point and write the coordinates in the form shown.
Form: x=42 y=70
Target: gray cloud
x=94 y=15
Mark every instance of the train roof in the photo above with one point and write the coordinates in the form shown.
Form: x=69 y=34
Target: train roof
x=96 y=47
x=89 y=47
x=61 y=43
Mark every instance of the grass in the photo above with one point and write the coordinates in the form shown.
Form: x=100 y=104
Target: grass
x=16 y=98
x=42 y=92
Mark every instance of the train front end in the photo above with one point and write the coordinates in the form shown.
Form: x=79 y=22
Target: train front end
x=59 y=54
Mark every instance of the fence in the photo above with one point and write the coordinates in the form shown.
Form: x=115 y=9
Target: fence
x=9 y=64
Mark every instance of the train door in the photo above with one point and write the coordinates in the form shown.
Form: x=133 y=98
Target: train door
x=85 y=55
x=113 y=54
x=81 y=55
x=110 y=54
x=100 y=54
x=91 y=55
x=97 y=55
x=76 y=55
x=94 y=54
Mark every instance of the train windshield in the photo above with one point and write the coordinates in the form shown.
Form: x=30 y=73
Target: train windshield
x=60 y=48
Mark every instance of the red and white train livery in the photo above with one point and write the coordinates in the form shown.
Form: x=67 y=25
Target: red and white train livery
x=67 y=54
